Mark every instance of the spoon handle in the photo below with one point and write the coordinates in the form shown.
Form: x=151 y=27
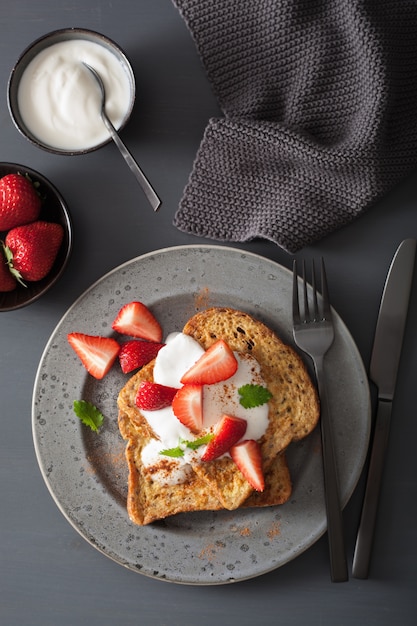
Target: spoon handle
x=140 y=176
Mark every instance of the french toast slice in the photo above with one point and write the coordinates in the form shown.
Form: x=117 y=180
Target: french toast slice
x=293 y=413
x=149 y=500
x=293 y=408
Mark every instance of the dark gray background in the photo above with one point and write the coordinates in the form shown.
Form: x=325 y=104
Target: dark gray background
x=49 y=574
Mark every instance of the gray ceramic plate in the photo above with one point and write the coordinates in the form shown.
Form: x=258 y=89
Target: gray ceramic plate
x=86 y=473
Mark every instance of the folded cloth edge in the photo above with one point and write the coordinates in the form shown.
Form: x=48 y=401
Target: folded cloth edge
x=258 y=177
x=250 y=180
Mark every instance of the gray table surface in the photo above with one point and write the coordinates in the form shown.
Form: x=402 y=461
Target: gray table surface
x=49 y=574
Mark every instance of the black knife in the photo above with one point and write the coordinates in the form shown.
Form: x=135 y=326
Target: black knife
x=383 y=372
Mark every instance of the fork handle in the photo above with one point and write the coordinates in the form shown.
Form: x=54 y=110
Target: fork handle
x=338 y=563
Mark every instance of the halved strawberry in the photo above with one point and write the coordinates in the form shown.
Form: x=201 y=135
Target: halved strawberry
x=135 y=354
x=153 y=396
x=228 y=432
x=136 y=320
x=96 y=353
x=188 y=407
x=247 y=456
x=216 y=364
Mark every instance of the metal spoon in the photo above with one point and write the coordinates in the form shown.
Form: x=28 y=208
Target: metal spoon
x=140 y=176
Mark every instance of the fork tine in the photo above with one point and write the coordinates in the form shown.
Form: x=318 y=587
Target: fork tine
x=295 y=300
x=310 y=312
x=307 y=317
x=314 y=287
x=325 y=292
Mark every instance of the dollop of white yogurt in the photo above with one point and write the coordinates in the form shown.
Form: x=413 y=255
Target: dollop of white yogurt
x=175 y=358
x=172 y=361
x=59 y=100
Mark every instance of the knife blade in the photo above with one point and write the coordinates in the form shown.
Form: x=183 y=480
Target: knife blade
x=385 y=359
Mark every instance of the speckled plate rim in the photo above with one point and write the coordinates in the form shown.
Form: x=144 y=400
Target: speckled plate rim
x=85 y=472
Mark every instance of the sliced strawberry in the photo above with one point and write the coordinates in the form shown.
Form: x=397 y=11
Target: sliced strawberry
x=247 y=456
x=135 y=354
x=153 y=396
x=216 y=364
x=96 y=353
x=136 y=320
x=188 y=407
x=228 y=432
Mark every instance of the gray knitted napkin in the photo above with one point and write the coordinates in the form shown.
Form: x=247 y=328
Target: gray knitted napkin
x=320 y=115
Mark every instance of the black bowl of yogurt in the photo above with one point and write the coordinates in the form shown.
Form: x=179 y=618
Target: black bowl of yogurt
x=53 y=99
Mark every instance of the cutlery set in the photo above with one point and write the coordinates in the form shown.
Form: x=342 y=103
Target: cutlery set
x=313 y=334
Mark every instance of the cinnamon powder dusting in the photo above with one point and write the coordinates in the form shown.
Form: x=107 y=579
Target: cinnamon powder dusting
x=243 y=531
x=106 y=458
x=210 y=551
x=274 y=531
x=202 y=299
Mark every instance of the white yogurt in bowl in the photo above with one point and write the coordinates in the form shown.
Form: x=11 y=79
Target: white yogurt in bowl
x=55 y=102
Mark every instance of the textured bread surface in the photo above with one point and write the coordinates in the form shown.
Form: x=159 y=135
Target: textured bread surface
x=293 y=413
x=149 y=501
x=293 y=408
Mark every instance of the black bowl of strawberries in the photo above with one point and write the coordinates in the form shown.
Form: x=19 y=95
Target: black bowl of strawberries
x=35 y=235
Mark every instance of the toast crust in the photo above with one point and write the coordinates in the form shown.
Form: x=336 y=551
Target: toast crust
x=293 y=413
x=149 y=501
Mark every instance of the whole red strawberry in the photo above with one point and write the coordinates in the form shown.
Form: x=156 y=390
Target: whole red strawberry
x=32 y=249
x=20 y=203
x=7 y=280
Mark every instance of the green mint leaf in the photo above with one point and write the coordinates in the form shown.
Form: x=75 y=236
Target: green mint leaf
x=88 y=414
x=253 y=395
x=184 y=443
x=196 y=443
x=174 y=452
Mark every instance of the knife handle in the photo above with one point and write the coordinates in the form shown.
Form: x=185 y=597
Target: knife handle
x=364 y=540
